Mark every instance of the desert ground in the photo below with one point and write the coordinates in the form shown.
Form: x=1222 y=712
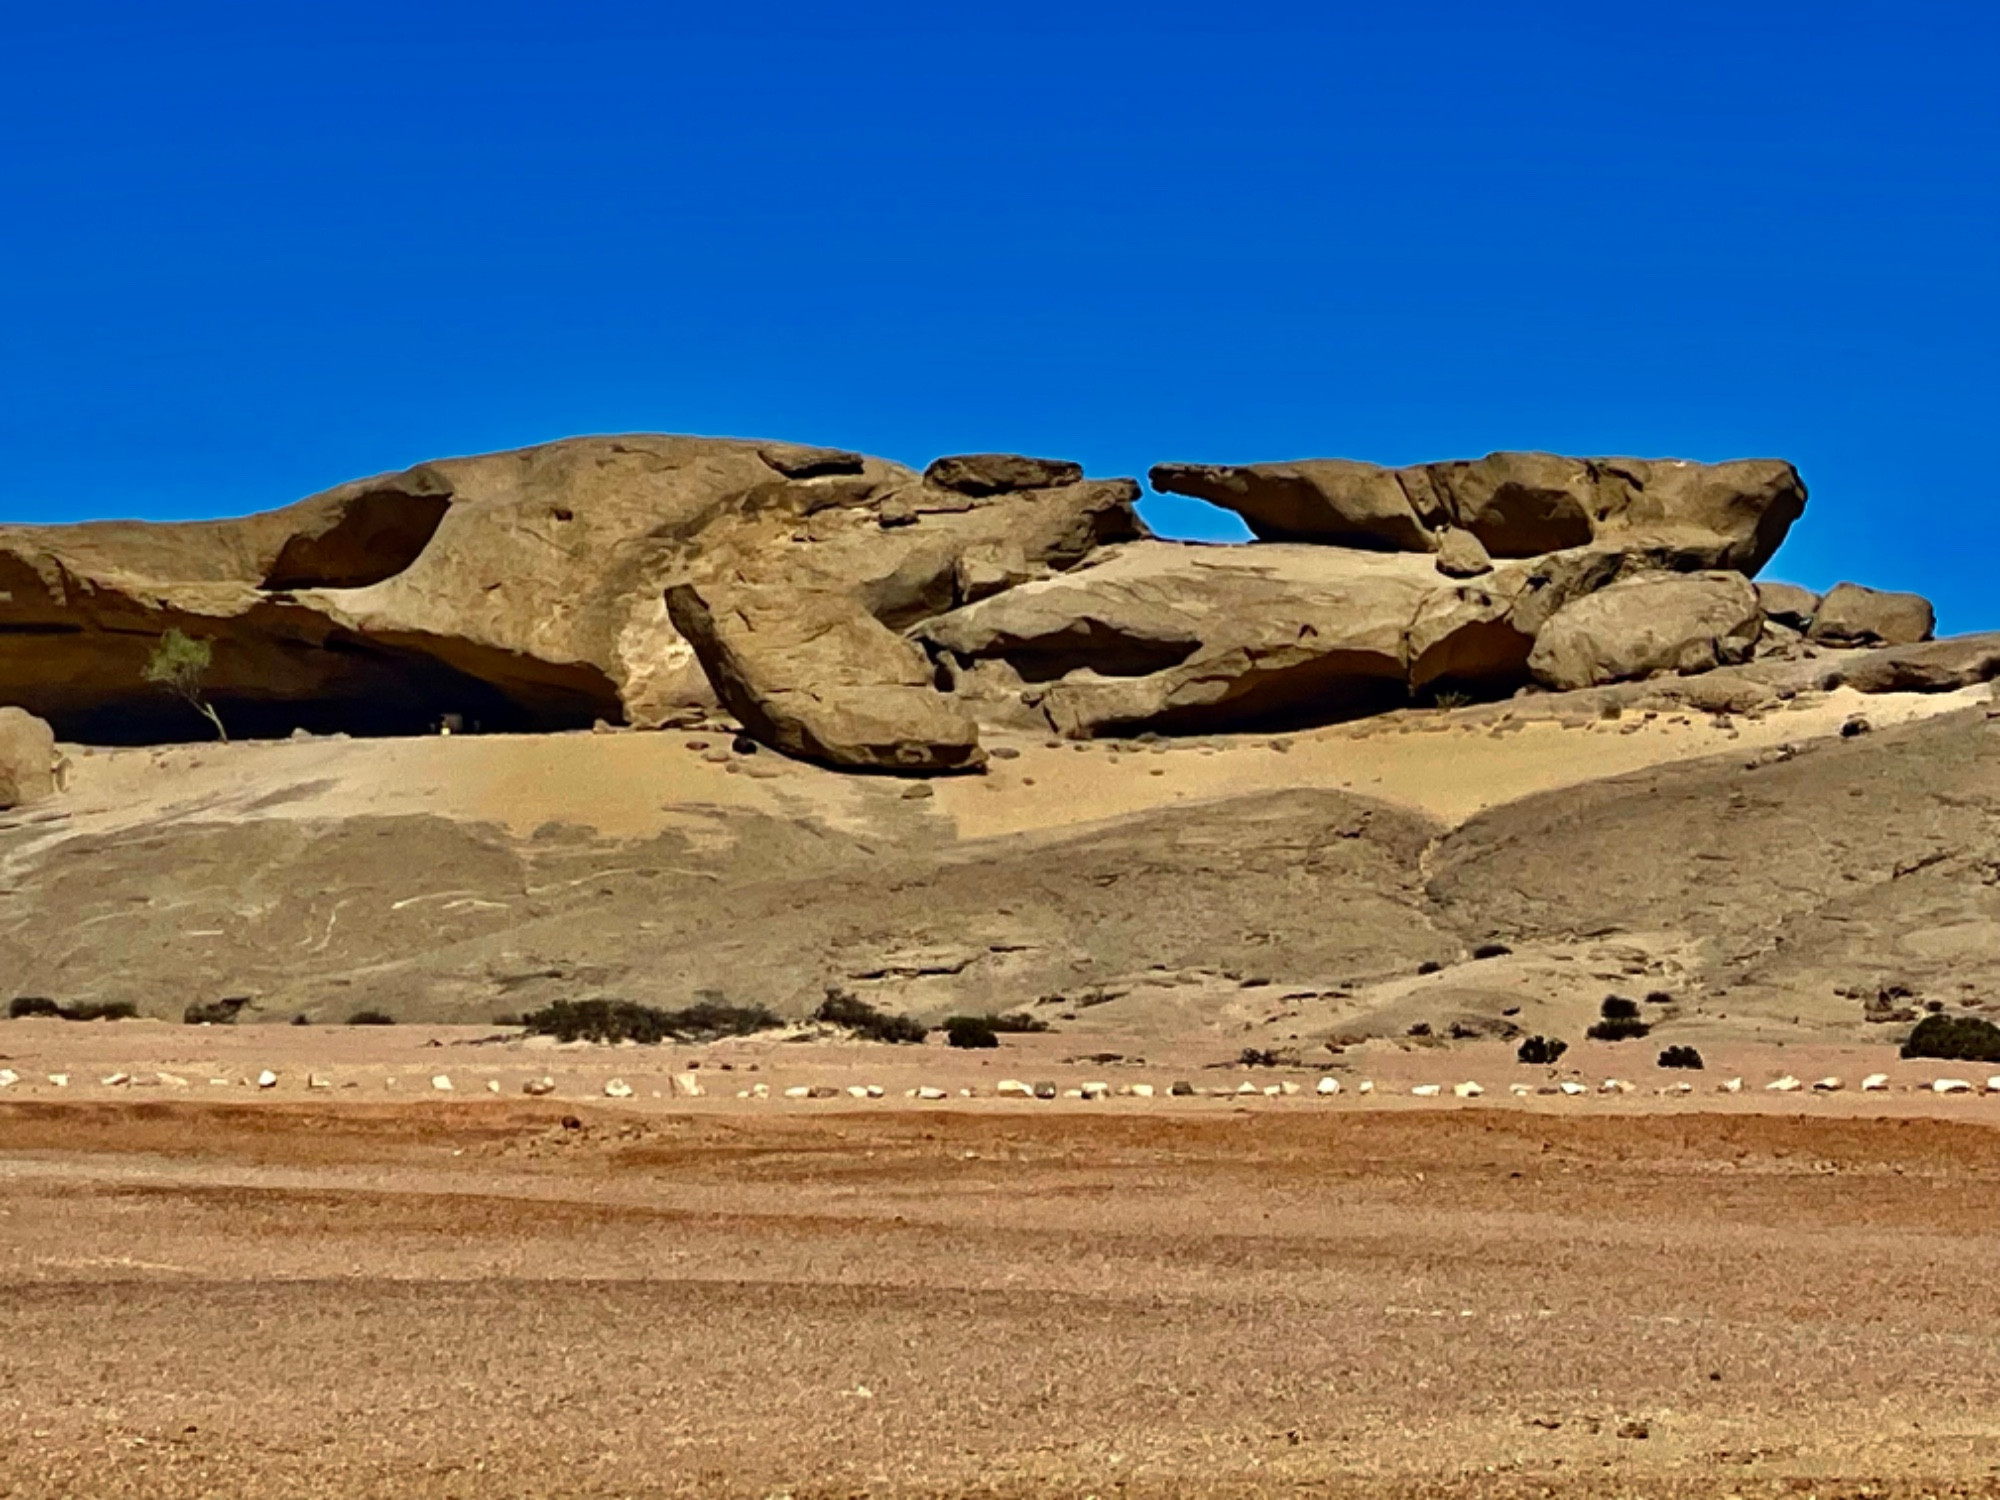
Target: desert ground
x=282 y=1260
x=398 y=1291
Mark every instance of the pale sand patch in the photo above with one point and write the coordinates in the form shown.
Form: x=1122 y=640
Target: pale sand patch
x=1451 y=773
x=639 y=785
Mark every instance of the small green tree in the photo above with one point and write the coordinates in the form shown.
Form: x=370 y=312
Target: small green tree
x=178 y=664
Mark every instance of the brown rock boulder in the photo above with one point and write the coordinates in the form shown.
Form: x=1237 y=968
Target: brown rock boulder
x=1518 y=505
x=1462 y=555
x=1787 y=604
x=1318 y=500
x=999 y=473
x=27 y=758
x=1929 y=667
x=1645 y=625
x=811 y=675
x=1851 y=615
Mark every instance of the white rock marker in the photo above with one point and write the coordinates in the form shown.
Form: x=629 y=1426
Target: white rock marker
x=687 y=1086
x=535 y=1088
x=1013 y=1088
x=1950 y=1086
x=763 y=1091
x=114 y=1079
x=60 y=1080
x=8 y=1078
x=1616 y=1086
x=1467 y=1090
x=1327 y=1086
x=441 y=1082
x=267 y=1079
x=1828 y=1085
x=1519 y=1090
x=1875 y=1083
x=1367 y=1086
x=172 y=1080
x=314 y=1081
x=492 y=1085
x=617 y=1088
x=1785 y=1085
x=1428 y=1090
x=929 y=1092
x=1572 y=1088
x=1993 y=1084
x=1730 y=1086
x=1142 y=1091
x=1096 y=1088
x=857 y=1091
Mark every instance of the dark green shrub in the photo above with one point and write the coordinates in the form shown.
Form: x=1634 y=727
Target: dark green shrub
x=1621 y=1021
x=970 y=1032
x=1617 y=1031
x=607 y=1020
x=856 y=1015
x=215 y=1012
x=1017 y=1021
x=99 y=1010
x=1540 y=1051
x=1257 y=1057
x=22 y=1007
x=1681 y=1057
x=1957 y=1038
x=371 y=1018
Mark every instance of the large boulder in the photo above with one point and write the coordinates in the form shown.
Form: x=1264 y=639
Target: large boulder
x=1851 y=615
x=1651 y=624
x=1178 y=637
x=1928 y=667
x=1517 y=504
x=1318 y=500
x=1787 y=604
x=528 y=590
x=811 y=675
x=27 y=758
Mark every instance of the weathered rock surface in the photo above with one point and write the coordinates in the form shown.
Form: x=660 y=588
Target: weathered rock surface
x=27 y=758
x=1851 y=615
x=1929 y=667
x=1180 y=637
x=1318 y=500
x=1682 y=623
x=1517 y=504
x=1000 y=473
x=528 y=590
x=1461 y=554
x=1787 y=604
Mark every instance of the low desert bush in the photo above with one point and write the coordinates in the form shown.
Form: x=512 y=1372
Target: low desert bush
x=607 y=1020
x=1620 y=1021
x=970 y=1032
x=371 y=1018
x=23 y=1006
x=1539 y=1051
x=856 y=1015
x=1017 y=1022
x=1956 y=1038
x=215 y=1012
x=1681 y=1057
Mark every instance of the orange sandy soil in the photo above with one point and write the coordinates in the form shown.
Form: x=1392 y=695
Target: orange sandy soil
x=338 y=1295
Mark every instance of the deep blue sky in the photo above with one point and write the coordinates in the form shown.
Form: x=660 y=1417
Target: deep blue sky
x=247 y=251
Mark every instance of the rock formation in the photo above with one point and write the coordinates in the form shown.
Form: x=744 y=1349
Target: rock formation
x=528 y=590
x=27 y=758
x=852 y=611
x=1516 y=504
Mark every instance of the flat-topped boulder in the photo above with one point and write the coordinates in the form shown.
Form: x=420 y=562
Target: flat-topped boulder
x=1516 y=504
x=1851 y=615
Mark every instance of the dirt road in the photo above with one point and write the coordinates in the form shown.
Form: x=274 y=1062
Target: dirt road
x=474 y=1299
